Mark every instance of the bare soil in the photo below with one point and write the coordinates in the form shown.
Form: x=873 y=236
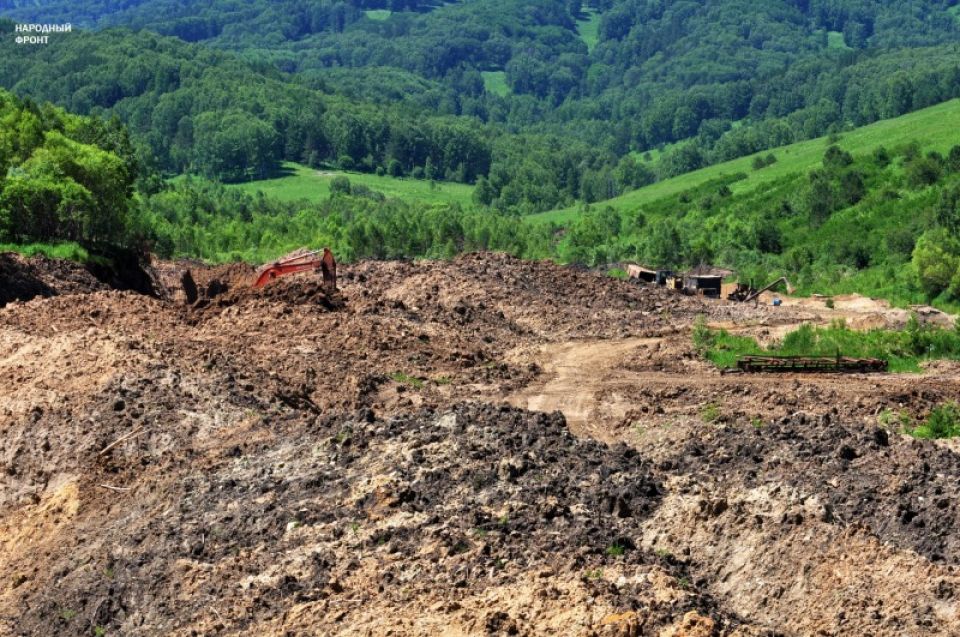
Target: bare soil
x=482 y=446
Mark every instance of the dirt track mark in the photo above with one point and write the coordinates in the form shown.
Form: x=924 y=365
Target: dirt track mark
x=576 y=373
x=597 y=386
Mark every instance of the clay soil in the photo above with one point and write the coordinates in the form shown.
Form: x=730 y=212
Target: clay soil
x=479 y=447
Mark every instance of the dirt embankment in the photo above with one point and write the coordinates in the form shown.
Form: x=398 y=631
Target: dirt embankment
x=288 y=461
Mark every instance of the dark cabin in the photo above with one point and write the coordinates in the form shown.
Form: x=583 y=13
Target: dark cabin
x=703 y=284
x=641 y=273
x=648 y=275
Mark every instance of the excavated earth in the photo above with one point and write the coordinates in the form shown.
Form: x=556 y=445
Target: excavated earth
x=479 y=447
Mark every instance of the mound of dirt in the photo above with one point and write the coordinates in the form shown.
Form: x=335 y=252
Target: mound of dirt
x=22 y=279
x=294 y=291
x=817 y=526
x=539 y=297
x=903 y=489
x=496 y=520
x=282 y=461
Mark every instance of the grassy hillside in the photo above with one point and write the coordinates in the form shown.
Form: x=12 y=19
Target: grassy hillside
x=935 y=128
x=300 y=182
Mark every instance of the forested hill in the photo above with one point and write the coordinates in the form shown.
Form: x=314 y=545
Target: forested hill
x=195 y=110
x=565 y=97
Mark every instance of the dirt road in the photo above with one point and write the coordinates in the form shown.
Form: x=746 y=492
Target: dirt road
x=577 y=379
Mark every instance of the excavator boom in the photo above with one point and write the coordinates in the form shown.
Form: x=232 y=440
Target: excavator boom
x=301 y=263
x=756 y=294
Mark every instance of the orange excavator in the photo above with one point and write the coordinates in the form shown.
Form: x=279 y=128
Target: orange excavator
x=314 y=260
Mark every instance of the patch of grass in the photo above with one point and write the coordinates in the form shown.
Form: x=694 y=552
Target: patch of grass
x=343 y=435
x=617 y=273
x=99 y=631
x=66 y=614
x=896 y=420
x=496 y=82
x=702 y=336
x=68 y=251
x=723 y=349
x=593 y=574
x=378 y=14
x=835 y=40
x=943 y=422
x=710 y=413
x=903 y=349
x=616 y=550
x=589 y=28
x=442 y=380
x=406 y=379
x=298 y=182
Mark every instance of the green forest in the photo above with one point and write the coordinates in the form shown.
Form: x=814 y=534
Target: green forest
x=137 y=126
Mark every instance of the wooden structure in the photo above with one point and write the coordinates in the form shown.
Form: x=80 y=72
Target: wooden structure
x=703 y=284
x=810 y=364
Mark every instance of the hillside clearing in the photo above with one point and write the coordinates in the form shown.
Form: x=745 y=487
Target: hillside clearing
x=302 y=182
x=934 y=128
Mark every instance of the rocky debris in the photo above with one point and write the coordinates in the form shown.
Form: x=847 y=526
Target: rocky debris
x=540 y=297
x=901 y=489
x=22 y=279
x=350 y=518
x=273 y=461
x=299 y=291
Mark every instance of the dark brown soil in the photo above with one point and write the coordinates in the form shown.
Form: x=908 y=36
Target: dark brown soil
x=22 y=279
x=443 y=504
x=904 y=490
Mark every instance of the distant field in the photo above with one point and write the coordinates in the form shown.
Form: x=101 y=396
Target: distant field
x=589 y=29
x=495 y=82
x=303 y=182
x=378 y=14
x=935 y=128
x=835 y=40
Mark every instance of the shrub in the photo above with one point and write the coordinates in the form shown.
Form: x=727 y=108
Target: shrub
x=943 y=422
x=340 y=185
x=702 y=336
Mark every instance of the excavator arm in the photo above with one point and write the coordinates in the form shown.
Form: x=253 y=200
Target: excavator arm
x=757 y=294
x=301 y=263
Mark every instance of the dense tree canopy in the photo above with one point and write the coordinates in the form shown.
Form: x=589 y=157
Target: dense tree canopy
x=400 y=86
x=62 y=177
